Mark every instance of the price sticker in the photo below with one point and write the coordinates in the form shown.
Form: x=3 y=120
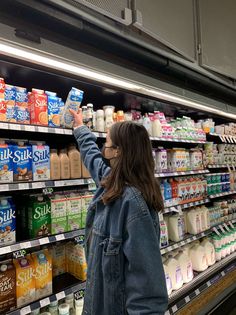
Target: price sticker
x=222 y=229
x=79 y=294
x=23 y=186
x=19 y=253
x=25 y=245
x=25 y=310
x=38 y=185
x=44 y=240
x=29 y=128
x=60 y=296
x=44 y=302
x=42 y=129
x=216 y=231
x=231 y=225
x=5 y=250
x=60 y=237
x=60 y=131
x=226 y=227
x=4 y=126
x=4 y=187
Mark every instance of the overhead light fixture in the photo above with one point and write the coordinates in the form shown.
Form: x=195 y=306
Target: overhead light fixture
x=58 y=63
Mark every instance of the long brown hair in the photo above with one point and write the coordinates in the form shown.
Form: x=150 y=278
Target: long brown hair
x=134 y=165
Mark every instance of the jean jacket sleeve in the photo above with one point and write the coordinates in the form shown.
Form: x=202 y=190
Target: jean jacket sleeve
x=145 y=284
x=90 y=153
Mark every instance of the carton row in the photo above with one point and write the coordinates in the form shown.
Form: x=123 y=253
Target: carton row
x=29 y=278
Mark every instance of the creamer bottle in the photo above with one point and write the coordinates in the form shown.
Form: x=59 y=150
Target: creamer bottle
x=75 y=162
x=70 y=301
x=175 y=228
x=79 y=306
x=53 y=308
x=55 y=169
x=64 y=164
x=64 y=309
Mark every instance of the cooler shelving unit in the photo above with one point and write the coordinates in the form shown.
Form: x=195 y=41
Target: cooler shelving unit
x=70 y=75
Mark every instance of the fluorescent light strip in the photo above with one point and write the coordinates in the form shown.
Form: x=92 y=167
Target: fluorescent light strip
x=47 y=60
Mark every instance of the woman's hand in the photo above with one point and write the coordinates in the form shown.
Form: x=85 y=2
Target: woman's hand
x=78 y=119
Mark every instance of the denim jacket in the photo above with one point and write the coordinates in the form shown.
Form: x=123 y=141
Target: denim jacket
x=125 y=271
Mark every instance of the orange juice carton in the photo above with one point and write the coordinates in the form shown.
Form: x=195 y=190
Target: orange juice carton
x=22 y=161
x=58 y=259
x=74 y=214
x=40 y=161
x=73 y=101
x=58 y=213
x=7 y=286
x=25 y=280
x=38 y=107
x=6 y=166
x=53 y=109
x=43 y=273
x=22 y=110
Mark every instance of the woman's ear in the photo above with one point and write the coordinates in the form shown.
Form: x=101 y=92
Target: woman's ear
x=117 y=153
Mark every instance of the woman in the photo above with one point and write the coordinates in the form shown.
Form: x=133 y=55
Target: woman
x=125 y=272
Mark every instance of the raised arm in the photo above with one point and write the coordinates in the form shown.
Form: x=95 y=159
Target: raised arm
x=89 y=150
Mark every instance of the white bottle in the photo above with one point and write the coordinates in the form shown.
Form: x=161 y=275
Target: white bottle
x=207 y=217
x=168 y=279
x=210 y=252
x=147 y=124
x=70 y=301
x=185 y=265
x=109 y=110
x=176 y=228
x=64 y=309
x=156 y=127
x=100 y=123
x=79 y=306
x=198 y=257
x=174 y=272
x=193 y=222
x=53 y=308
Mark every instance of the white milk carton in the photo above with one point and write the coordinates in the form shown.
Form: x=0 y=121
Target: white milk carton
x=40 y=162
x=73 y=101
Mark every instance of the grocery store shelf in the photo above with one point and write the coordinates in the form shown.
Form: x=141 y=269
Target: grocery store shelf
x=40 y=241
x=223 y=194
x=181 y=173
x=32 y=128
x=45 y=184
x=177 y=208
x=219 y=165
x=69 y=132
x=188 y=239
x=177 y=140
x=191 y=238
x=224 y=138
x=200 y=284
x=80 y=286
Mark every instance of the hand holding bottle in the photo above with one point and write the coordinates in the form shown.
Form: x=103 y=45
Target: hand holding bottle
x=78 y=119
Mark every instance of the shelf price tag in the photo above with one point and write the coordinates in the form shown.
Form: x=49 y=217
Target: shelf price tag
x=231 y=224
x=222 y=229
x=19 y=253
x=79 y=294
x=226 y=227
x=25 y=310
x=216 y=231
x=44 y=302
x=47 y=191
